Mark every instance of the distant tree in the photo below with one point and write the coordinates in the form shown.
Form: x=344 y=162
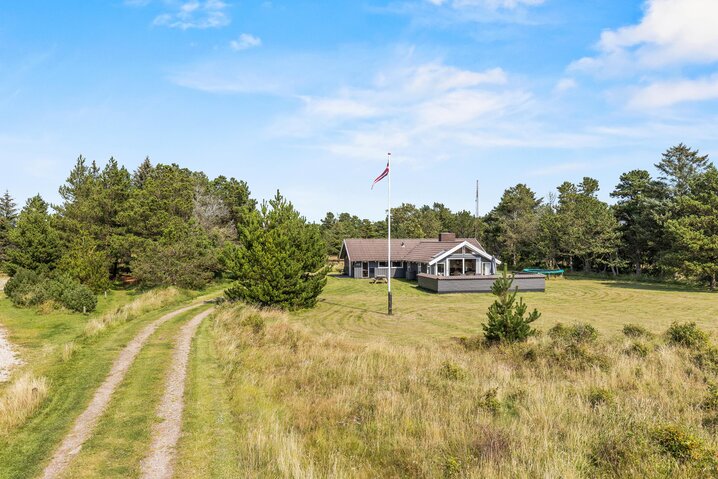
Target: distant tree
x=140 y=175
x=184 y=256
x=507 y=319
x=85 y=261
x=34 y=242
x=512 y=226
x=280 y=260
x=695 y=228
x=641 y=202
x=466 y=225
x=679 y=166
x=8 y=217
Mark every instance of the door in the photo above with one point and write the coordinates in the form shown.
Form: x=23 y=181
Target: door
x=365 y=270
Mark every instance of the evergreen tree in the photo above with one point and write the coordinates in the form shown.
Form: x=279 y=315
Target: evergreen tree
x=507 y=319
x=679 y=166
x=86 y=262
x=695 y=228
x=8 y=217
x=34 y=242
x=641 y=201
x=280 y=261
x=140 y=175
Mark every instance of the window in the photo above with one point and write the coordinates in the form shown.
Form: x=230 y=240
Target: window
x=397 y=264
x=440 y=269
x=470 y=267
x=456 y=267
x=382 y=264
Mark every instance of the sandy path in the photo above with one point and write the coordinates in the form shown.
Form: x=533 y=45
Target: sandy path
x=8 y=357
x=159 y=462
x=86 y=422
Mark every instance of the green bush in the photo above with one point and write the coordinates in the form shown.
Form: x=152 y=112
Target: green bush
x=452 y=371
x=28 y=288
x=707 y=359
x=679 y=443
x=636 y=331
x=687 y=335
x=598 y=396
x=576 y=333
x=79 y=298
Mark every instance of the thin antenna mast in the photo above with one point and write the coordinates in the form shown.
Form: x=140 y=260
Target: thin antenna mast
x=476 y=216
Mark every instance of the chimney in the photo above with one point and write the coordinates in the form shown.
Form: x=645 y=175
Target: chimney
x=447 y=237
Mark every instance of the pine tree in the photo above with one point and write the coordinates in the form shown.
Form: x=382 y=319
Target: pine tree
x=142 y=173
x=695 y=228
x=8 y=217
x=281 y=260
x=34 y=242
x=507 y=318
x=680 y=165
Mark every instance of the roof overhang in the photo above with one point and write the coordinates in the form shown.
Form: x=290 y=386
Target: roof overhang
x=445 y=254
x=344 y=250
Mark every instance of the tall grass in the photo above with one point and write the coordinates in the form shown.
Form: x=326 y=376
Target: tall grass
x=20 y=400
x=146 y=302
x=567 y=405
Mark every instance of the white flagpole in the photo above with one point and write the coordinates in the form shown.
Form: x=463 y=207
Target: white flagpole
x=389 y=234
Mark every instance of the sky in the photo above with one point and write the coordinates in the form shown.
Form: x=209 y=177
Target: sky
x=309 y=96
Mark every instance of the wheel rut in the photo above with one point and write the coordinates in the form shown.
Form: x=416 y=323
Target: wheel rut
x=159 y=463
x=87 y=421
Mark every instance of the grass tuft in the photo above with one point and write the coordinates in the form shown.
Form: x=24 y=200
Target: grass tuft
x=20 y=400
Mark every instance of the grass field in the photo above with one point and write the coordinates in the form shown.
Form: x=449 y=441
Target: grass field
x=357 y=308
x=343 y=390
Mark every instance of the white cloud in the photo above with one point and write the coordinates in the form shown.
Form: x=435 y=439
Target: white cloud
x=196 y=14
x=245 y=42
x=565 y=84
x=671 y=32
x=669 y=93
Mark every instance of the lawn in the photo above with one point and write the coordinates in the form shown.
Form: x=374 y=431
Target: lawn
x=357 y=308
x=343 y=390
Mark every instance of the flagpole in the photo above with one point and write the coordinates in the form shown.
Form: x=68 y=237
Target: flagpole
x=388 y=164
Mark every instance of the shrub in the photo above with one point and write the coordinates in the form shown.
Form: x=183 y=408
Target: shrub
x=640 y=350
x=678 y=443
x=615 y=455
x=636 y=331
x=489 y=401
x=687 y=335
x=598 y=396
x=79 y=298
x=507 y=319
x=710 y=403
x=707 y=359
x=576 y=333
x=28 y=288
x=452 y=371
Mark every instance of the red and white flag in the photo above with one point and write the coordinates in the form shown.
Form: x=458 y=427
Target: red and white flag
x=383 y=175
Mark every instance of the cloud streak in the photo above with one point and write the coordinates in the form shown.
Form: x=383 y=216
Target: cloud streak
x=195 y=14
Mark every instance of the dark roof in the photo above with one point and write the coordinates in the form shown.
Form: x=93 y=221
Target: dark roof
x=408 y=249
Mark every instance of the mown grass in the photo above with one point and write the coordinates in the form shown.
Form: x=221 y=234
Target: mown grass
x=345 y=391
x=123 y=434
x=357 y=308
x=54 y=348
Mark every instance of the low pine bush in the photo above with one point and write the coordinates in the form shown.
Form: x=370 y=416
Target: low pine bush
x=679 y=443
x=576 y=333
x=28 y=288
x=508 y=321
x=687 y=335
x=636 y=331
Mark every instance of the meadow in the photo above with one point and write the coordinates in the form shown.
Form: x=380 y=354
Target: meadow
x=343 y=390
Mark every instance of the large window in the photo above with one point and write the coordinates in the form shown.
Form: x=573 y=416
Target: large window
x=456 y=267
x=440 y=269
x=397 y=264
x=470 y=267
x=382 y=264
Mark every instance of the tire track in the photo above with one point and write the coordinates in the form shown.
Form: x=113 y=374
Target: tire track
x=159 y=463
x=87 y=421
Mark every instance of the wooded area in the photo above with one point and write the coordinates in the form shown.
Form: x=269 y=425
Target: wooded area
x=665 y=227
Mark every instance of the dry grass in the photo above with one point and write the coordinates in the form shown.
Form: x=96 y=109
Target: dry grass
x=327 y=405
x=146 y=302
x=68 y=351
x=20 y=400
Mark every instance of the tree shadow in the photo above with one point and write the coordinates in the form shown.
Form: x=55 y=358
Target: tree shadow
x=653 y=286
x=357 y=308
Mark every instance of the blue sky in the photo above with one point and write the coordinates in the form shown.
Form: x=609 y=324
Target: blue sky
x=307 y=97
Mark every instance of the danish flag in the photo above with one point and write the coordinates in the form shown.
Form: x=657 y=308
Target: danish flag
x=383 y=175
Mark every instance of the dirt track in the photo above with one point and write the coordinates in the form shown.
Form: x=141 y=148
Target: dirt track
x=159 y=462
x=86 y=422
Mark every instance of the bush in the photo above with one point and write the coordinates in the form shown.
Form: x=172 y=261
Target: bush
x=640 y=350
x=576 y=333
x=678 y=443
x=452 y=371
x=79 y=298
x=636 y=331
x=707 y=359
x=507 y=319
x=687 y=335
x=28 y=288
x=598 y=396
